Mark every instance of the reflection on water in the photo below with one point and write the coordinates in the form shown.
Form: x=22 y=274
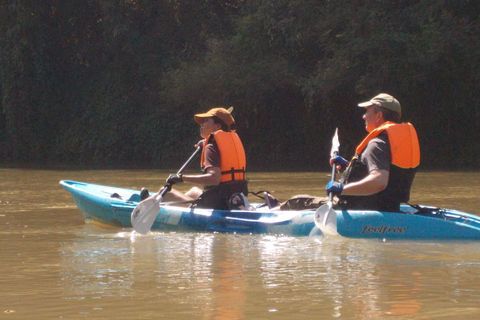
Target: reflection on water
x=56 y=266
x=218 y=276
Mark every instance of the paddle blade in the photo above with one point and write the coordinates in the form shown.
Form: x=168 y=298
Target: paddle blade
x=335 y=144
x=326 y=219
x=144 y=214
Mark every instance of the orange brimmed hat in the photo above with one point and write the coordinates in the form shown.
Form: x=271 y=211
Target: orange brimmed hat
x=221 y=113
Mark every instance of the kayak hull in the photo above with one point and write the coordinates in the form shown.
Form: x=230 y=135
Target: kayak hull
x=434 y=224
x=96 y=203
x=113 y=206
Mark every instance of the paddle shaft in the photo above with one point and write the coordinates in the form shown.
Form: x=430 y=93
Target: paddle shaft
x=330 y=195
x=325 y=217
x=197 y=151
x=168 y=186
x=334 y=171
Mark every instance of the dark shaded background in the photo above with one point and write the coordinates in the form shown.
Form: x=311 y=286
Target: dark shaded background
x=116 y=83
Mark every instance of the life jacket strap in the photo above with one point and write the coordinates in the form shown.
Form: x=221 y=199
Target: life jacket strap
x=233 y=171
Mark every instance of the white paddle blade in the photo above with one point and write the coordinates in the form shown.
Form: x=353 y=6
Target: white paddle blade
x=335 y=144
x=144 y=215
x=326 y=219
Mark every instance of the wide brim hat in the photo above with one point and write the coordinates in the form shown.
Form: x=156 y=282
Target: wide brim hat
x=221 y=113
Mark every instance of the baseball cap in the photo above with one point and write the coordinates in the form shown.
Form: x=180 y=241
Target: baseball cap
x=385 y=101
x=221 y=113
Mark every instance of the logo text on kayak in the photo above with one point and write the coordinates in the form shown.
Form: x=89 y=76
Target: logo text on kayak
x=382 y=229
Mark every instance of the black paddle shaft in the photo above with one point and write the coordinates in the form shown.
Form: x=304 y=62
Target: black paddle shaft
x=334 y=171
x=168 y=186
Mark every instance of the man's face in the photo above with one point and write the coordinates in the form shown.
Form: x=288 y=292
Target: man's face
x=372 y=119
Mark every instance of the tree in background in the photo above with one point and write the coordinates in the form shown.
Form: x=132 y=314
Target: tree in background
x=111 y=83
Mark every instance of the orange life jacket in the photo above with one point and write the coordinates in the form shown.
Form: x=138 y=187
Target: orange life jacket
x=405 y=158
x=403 y=143
x=232 y=155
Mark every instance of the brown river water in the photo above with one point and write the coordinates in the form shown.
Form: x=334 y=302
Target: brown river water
x=56 y=266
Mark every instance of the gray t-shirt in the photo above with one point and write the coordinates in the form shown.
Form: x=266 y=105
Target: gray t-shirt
x=377 y=155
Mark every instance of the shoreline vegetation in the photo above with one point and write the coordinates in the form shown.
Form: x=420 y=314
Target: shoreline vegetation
x=115 y=84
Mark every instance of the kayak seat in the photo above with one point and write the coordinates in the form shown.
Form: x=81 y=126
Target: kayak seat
x=270 y=200
x=238 y=201
x=144 y=194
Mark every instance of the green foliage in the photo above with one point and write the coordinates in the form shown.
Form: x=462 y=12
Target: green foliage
x=116 y=83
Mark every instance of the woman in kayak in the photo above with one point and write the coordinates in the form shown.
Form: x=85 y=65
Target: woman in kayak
x=222 y=161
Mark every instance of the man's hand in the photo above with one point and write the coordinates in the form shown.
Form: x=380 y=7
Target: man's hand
x=334 y=187
x=174 y=179
x=339 y=161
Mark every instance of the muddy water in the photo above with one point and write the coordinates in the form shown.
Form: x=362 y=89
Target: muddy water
x=55 y=266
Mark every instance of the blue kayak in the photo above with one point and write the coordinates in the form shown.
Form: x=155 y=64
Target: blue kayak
x=414 y=223
x=113 y=206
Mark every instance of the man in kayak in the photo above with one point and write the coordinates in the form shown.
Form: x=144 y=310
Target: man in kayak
x=380 y=174
x=222 y=161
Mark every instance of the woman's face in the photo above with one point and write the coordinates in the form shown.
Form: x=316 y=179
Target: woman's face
x=207 y=127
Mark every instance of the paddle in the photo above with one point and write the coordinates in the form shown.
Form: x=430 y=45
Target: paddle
x=145 y=213
x=325 y=217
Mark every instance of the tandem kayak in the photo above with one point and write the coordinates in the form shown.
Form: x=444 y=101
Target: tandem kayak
x=113 y=206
